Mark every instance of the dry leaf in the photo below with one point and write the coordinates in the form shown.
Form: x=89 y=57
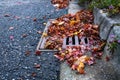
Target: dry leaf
x=45 y=34
x=61 y=23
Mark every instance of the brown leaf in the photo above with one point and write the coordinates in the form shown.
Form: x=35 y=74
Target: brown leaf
x=33 y=74
x=81 y=71
x=34 y=19
x=7 y=15
x=27 y=53
x=37 y=66
x=107 y=58
x=24 y=35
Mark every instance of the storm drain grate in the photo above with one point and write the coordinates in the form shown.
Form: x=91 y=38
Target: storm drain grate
x=75 y=41
x=67 y=41
x=43 y=39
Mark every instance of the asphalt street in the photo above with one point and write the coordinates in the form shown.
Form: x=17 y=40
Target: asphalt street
x=20 y=21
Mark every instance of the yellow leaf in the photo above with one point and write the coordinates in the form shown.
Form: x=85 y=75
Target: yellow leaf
x=45 y=34
x=81 y=65
x=54 y=22
x=75 y=33
x=84 y=58
x=61 y=23
x=72 y=22
x=80 y=68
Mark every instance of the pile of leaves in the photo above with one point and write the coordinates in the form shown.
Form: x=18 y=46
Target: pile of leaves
x=81 y=25
x=60 y=4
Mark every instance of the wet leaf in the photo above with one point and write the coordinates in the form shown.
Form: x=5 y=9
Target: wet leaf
x=11 y=37
x=37 y=52
x=61 y=23
x=27 y=53
x=24 y=35
x=11 y=28
x=17 y=17
x=34 y=19
x=39 y=32
x=33 y=74
x=37 y=66
x=45 y=34
x=6 y=15
x=107 y=58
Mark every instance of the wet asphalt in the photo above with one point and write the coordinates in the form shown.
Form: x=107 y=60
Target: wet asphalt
x=19 y=22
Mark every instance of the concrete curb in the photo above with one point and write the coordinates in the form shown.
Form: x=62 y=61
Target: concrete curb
x=102 y=70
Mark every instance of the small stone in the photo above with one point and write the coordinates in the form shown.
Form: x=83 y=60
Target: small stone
x=44 y=23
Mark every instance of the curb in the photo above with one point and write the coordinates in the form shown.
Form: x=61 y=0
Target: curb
x=102 y=70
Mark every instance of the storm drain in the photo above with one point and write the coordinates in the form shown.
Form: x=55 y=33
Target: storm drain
x=41 y=44
x=67 y=41
x=75 y=41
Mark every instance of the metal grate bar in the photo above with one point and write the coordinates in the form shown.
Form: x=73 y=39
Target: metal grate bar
x=64 y=42
x=70 y=41
x=76 y=40
x=67 y=41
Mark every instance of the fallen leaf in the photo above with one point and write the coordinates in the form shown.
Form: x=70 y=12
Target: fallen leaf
x=37 y=66
x=33 y=74
x=56 y=5
x=54 y=22
x=27 y=53
x=11 y=28
x=24 y=35
x=34 y=19
x=11 y=37
x=45 y=34
x=7 y=15
x=81 y=71
x=37 y=52
x=27 y=17
x=39 y=32
x=107 y=58
x=17 y=17
x=61 y=23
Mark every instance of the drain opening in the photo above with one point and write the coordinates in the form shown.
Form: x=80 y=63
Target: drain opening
x=86 y=40
x=67 y=41
x=73 y=40
x=79 y=40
